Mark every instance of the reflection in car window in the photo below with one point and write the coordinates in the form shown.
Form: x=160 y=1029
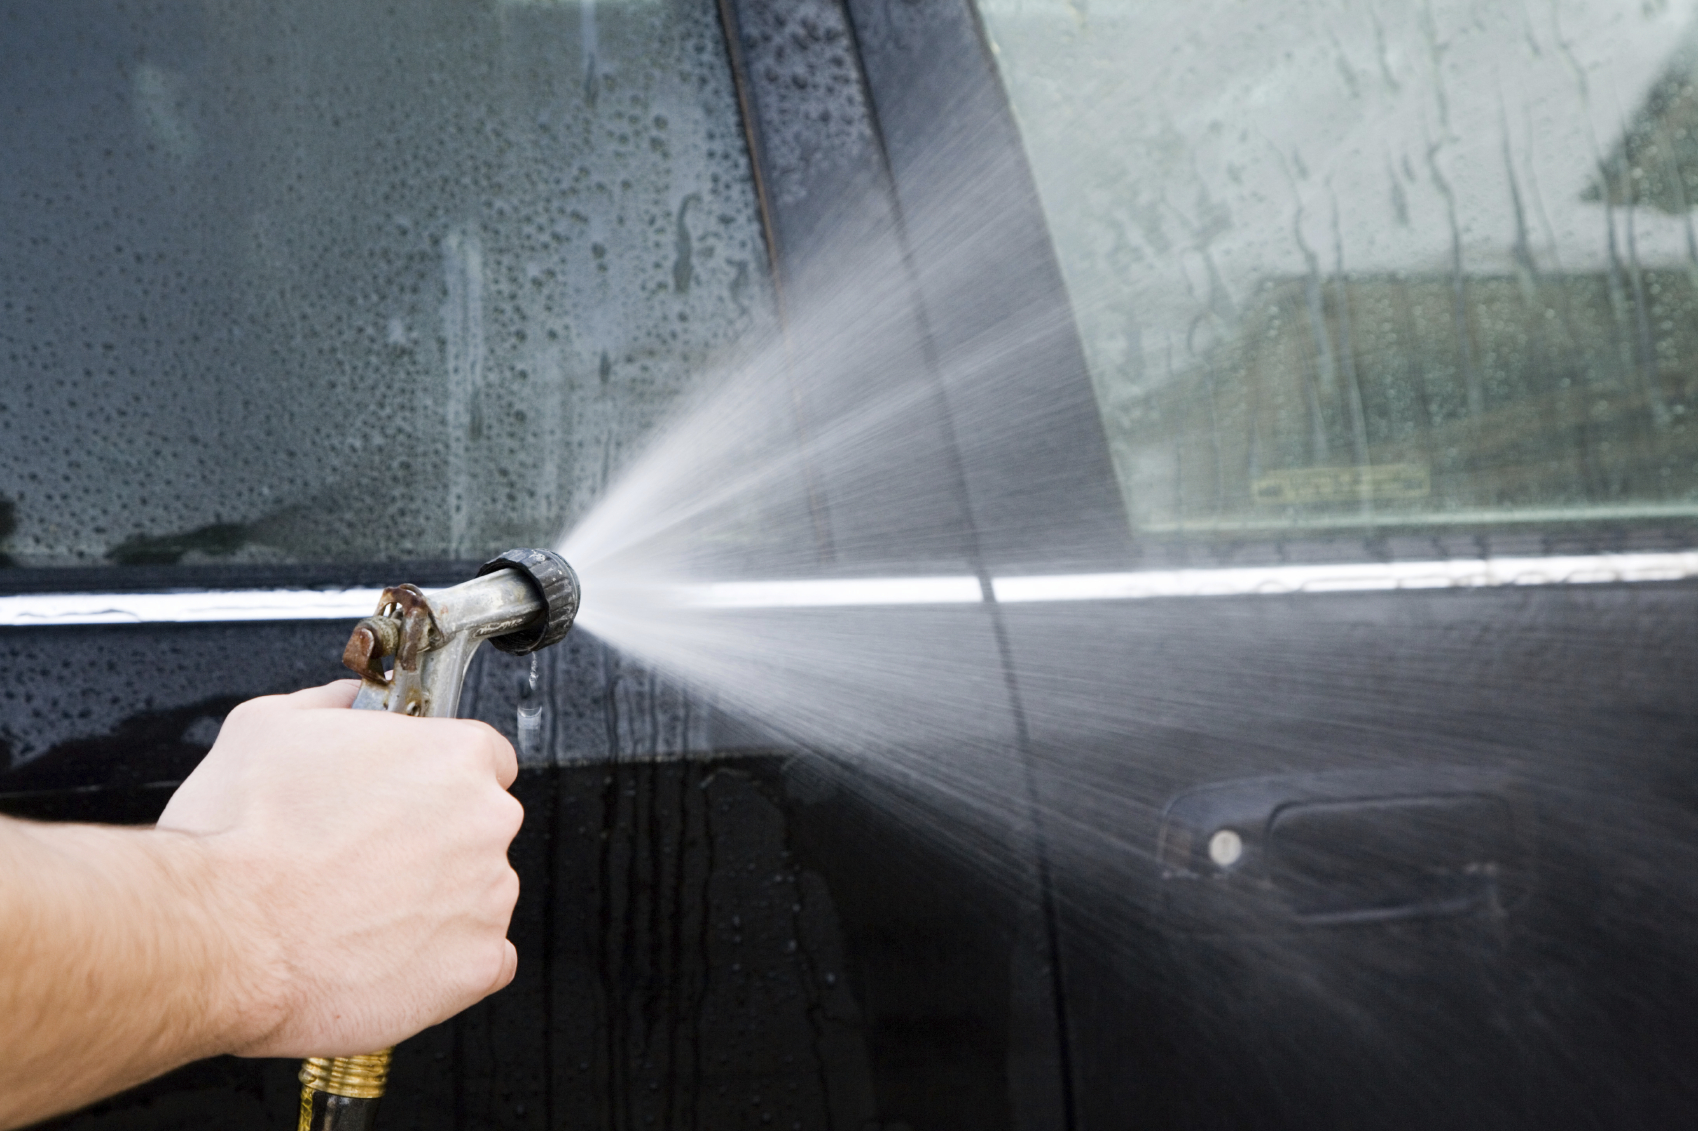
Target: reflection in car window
x=345 y=280
x=1409 y=268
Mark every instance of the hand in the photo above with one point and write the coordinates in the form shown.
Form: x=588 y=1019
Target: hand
x=360 y=860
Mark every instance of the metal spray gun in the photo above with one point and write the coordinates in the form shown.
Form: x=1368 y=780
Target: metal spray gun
x=521 y=601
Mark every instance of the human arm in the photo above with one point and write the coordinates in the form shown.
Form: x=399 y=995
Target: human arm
x=327 y=882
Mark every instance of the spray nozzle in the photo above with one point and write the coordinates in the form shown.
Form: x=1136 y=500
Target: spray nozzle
x=554 y=582
x=520 y=601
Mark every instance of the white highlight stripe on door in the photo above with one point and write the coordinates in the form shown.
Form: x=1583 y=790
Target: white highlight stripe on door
x=202 y=606
x=1348 y=577
x=829 y=593
x=236 y=605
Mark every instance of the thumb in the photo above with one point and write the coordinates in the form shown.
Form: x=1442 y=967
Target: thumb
x=338 y=694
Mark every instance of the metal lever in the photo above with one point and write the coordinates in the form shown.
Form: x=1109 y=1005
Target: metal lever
x=521 y=601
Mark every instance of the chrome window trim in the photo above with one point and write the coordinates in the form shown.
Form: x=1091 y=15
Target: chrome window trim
x=225 y=606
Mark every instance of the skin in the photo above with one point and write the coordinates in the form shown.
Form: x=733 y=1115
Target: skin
x=326 y=882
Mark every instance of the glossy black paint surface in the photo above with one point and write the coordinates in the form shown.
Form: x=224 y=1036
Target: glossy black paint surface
x=1565 y=1003
x=660 y=899
x=703 y=944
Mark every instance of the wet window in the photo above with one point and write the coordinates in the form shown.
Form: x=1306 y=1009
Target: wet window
x=348 y=280
x=1417 y=269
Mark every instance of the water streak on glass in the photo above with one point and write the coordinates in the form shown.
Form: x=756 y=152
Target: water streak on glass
x=1356 y=266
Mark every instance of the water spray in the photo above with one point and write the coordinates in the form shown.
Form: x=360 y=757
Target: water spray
x=521 y=601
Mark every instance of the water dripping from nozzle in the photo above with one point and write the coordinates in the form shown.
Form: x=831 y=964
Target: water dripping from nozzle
x=530 y=716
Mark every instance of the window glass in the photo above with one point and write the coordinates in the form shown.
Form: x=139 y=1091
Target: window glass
x=1347 y=265
x=342 y=279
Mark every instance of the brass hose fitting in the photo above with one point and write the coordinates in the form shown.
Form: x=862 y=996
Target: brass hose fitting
x=342 y=1092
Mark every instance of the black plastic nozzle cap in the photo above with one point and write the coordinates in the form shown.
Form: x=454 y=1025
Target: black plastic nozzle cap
x=555 y=583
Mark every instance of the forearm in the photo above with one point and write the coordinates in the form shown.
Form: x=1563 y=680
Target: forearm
x=117 y=962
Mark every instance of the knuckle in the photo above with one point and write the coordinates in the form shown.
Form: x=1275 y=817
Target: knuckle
x=495 y=824
x=498 y=973
x=247 y=709
x=478 y=726
x=511 y=813
x=476 y=734
x=487 y=971
x=486 y=742
x=468 y=756
x=495 y=744
x=459 y=748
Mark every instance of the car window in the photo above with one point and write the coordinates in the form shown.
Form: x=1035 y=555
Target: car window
x=345 y=280
x=1407 y=269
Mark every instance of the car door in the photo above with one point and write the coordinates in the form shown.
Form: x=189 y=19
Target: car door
x=1357 y=763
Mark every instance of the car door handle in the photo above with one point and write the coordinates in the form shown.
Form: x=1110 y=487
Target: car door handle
x=1345 y=846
